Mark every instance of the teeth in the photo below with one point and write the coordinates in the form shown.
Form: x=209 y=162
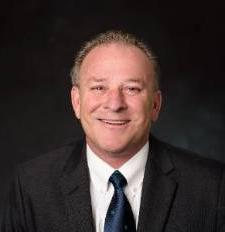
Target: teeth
x=115 y=122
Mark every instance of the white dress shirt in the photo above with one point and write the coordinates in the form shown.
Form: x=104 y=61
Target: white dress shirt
x=102 y=190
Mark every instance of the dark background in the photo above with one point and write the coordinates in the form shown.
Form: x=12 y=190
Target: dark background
x=38 y=42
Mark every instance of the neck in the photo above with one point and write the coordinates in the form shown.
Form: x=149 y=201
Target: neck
x=115 y=162
x=116 y=158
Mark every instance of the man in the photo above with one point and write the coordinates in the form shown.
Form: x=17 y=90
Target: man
x=119 y=178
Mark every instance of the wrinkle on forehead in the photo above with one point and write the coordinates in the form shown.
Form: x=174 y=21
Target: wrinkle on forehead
x=106 y=59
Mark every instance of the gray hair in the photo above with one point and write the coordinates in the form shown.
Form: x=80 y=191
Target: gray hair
x=108 y=37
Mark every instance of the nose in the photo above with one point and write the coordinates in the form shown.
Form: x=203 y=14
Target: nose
x=115 y=100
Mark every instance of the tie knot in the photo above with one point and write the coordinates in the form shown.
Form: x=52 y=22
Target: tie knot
x=118 y=180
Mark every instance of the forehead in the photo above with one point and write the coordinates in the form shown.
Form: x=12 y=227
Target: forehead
x=116 y=58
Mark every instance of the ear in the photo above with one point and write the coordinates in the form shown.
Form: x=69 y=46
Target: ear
x=75 y=99
x=156 y=105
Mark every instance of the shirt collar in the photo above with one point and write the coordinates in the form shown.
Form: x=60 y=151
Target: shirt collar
x=99 y=170
x=133 y=169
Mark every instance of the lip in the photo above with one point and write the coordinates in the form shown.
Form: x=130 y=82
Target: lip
x=114 y=122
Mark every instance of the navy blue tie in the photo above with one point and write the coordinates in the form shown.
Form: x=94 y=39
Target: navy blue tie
x=119 y=217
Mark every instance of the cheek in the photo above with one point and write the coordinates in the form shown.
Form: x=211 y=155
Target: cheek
x=141 y=107
x=89 y=104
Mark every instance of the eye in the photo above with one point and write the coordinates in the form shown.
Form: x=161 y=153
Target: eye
x=98 y=88
x=132 y=90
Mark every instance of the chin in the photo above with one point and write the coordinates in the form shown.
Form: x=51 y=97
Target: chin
x=114 y=148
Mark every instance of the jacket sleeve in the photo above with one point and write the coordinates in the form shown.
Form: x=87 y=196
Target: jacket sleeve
x=16 y=214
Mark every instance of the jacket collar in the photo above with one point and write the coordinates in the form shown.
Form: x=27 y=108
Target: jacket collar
x=75 y=188
x=158 y=189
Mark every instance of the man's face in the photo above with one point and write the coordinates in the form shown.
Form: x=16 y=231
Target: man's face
x=116 y=101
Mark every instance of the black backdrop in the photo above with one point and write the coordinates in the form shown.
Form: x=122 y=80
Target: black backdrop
x=38 y=41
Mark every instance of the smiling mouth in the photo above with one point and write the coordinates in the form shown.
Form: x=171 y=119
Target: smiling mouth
x=113 y=122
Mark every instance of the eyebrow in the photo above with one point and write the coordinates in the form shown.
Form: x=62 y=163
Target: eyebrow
x=134 y=80
x=95 y=79
x=130 y=80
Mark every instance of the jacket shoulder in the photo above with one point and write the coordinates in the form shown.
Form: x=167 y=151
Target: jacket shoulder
x=190 y=163
x=48 y=167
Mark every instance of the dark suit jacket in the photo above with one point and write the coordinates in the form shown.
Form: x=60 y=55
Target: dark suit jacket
x=182 y=192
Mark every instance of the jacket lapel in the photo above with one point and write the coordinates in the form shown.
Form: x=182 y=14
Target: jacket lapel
x=158 y=190
x=75 y=188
